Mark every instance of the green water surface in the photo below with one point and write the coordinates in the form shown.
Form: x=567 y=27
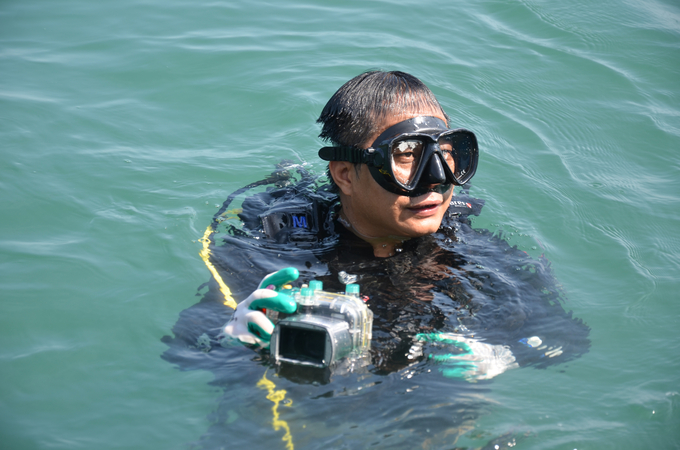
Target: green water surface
x=124 y=125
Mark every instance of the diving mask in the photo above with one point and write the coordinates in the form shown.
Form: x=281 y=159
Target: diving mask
x=416 y=156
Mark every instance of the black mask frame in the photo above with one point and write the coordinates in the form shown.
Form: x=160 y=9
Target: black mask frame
x=432 y=174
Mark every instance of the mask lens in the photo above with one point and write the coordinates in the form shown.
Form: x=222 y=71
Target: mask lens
x=446 y=145
x=458 y=148
x=405 y=156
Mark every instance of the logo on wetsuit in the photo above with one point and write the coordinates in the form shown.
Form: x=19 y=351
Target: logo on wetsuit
x=299 y=221
x=459 y=204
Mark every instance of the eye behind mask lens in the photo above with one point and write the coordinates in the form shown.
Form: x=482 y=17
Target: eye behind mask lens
x=405 y=157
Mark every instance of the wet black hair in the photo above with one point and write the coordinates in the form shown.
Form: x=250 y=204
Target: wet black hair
x=361 y=105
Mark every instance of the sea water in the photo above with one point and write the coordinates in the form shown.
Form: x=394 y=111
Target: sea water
x=124 y=126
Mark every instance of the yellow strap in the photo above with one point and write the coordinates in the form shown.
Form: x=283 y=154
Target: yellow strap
x=273 y=395
x=205 y=255
x=276 y=397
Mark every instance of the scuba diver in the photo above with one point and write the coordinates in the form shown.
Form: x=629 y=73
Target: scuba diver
x=443 y=294
x=393 y=162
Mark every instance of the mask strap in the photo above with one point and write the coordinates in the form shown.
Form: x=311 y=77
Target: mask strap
x=351 y=154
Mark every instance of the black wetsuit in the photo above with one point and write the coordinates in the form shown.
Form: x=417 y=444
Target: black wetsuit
x=460 y=280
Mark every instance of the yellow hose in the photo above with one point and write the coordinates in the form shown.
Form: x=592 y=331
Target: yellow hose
x=276 y=397
x=205 y=255
x=272 y=394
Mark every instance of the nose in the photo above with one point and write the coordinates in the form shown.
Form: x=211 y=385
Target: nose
x=433 y=173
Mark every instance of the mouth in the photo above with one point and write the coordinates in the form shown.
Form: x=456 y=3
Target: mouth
x=426 y=208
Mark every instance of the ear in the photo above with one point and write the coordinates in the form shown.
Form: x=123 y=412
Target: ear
x=343 y=174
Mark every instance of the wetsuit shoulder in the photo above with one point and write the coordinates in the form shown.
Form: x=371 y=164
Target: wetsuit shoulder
x=290 y=216
x=463 y=204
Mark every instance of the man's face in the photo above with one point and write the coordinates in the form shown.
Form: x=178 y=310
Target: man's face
x=375 y=212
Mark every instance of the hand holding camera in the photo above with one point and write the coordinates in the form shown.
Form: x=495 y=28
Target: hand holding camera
x=249 y=324
x=306 y=326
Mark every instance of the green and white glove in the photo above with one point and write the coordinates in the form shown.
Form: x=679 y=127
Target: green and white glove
x=249 y=324
x=475 y=360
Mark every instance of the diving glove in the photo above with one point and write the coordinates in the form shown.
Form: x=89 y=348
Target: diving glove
x=249 y=324
x=474 y=360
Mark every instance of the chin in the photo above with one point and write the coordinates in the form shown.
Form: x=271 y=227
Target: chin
x=423 y=229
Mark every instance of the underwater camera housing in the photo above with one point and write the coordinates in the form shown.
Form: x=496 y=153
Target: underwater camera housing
x=326 y=327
